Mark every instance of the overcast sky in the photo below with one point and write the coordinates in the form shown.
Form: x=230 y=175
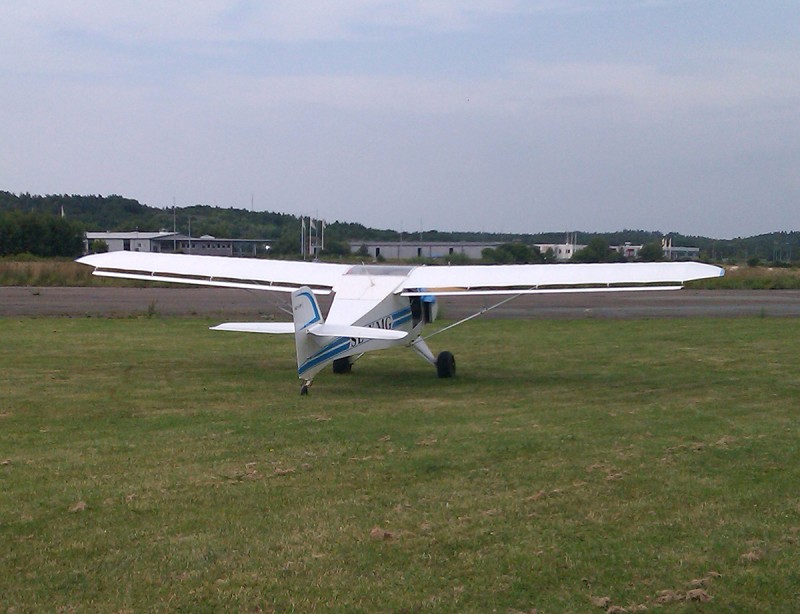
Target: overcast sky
x=485 y=115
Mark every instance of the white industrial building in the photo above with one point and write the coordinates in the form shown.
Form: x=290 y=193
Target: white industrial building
x=126 y=241
x=408 y=250
x=175 y=242
x=679 y=253
x=631 y=252
x=562 y=251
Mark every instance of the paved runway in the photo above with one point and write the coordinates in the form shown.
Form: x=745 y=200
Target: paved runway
x=237 y=304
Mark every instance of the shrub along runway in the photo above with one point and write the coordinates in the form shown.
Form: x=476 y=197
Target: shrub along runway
x=147 y=463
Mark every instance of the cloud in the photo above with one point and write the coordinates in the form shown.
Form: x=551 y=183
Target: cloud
x=150 y=21
x=708 y=80
x=214 y=100
x=167 y=43
x=635 y=93
x=236 y=21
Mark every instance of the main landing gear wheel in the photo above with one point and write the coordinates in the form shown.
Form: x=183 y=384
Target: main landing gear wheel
x=304 y=388
x=342 y=365
x=446 y=364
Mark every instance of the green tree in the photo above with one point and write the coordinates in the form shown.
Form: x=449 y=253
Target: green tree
x=98 y=246
x=39 y=234
x=597 y=251
x=336 y=248
x=549 y=256
x=512 y=253
x=288 y=244
x=651 y=252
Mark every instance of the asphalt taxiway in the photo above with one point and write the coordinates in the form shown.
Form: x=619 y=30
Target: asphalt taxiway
x=228 y=304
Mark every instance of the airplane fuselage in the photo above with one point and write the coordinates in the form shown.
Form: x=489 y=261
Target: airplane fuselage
x=369 y=300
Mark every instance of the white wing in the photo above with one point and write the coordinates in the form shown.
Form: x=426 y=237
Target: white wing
x=544 y=278
x=287 y=276
x=250 y=273
x=274 y=328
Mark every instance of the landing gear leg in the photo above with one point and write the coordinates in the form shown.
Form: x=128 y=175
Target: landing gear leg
x=421 y=348
x=445 y=362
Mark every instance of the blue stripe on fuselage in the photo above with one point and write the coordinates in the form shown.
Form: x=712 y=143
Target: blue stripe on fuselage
x=342 y=344
x=337 y=346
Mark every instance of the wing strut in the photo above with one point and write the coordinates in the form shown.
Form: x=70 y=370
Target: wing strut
x=474 y=315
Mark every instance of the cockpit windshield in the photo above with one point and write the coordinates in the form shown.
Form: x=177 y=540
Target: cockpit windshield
x=378 y=270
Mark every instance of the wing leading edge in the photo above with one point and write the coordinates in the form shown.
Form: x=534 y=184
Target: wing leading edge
x=220 y=271
x=323 y=278
x=551 y=278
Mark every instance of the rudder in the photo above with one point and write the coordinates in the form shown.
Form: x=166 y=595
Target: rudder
x=306 y=313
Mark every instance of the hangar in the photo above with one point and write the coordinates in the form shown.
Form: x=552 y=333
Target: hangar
x=406 y=250
x=175 y=243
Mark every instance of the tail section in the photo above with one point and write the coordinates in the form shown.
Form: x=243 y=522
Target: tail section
x=305 y=309
x=319 y=344
x=306 y=313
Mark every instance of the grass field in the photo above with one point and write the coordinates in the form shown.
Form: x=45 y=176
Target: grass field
x=150 y=464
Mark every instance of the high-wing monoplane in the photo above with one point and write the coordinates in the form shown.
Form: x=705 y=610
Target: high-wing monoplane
x=379 y=306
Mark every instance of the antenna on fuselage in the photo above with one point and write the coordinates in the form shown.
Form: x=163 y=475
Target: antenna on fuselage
x=366 y=270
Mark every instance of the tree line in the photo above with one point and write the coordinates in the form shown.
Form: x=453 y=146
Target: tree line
x=117 y=213
x=39 y=234
x=597 y=250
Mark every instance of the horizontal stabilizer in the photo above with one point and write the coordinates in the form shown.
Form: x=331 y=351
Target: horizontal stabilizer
x=275 y=328
x=361 y=332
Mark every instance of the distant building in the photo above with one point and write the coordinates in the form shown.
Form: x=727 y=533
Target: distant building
x=408 y=250
x=125 y=241
x=627 y=250
x=631 y=252
x=678 y=253
x=176 y=243
x=562 y=251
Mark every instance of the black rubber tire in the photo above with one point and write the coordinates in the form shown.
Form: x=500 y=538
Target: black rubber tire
x=342 y=365
x=446 y=364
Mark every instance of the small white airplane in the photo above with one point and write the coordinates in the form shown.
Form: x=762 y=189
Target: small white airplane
x=375 y=306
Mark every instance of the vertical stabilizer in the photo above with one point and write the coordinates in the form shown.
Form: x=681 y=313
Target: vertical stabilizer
x=306 y=313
